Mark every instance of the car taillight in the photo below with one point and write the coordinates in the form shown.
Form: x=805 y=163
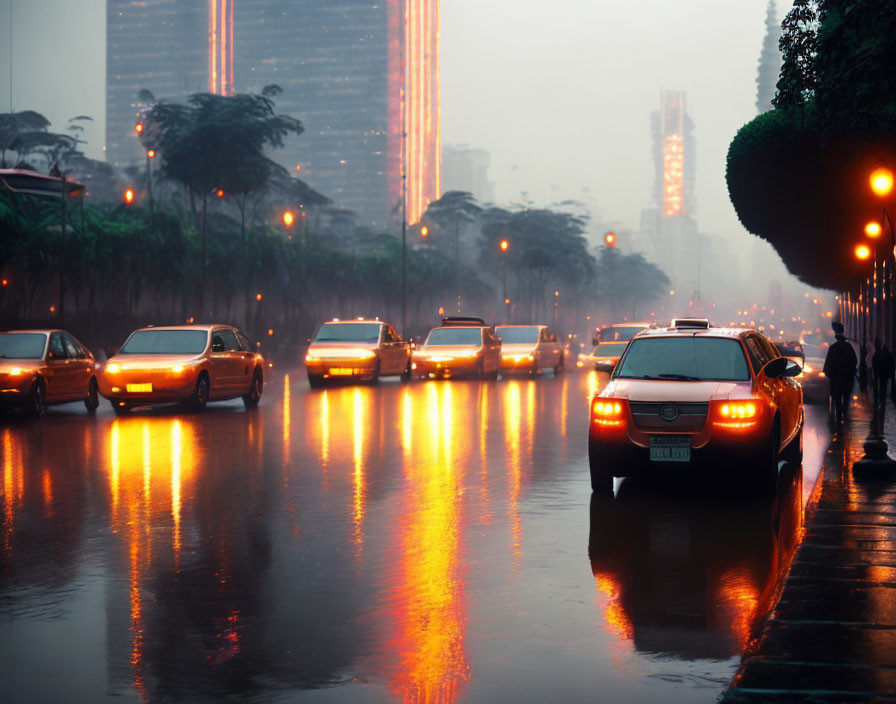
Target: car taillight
x=607 y=411
x=738 y=410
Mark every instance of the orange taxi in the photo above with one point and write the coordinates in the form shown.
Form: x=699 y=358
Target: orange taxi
x=529 y=348
x=693 y=392
x=39 y=368
x=189 y=364
x=610 y=342
x=361 y=350
x=460 y=346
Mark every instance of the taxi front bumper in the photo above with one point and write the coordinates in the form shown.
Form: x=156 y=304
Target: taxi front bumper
x=341 y=368
x=445 y=365
x=148 y=385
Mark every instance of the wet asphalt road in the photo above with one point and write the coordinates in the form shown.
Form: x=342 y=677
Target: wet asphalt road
x=434 y=542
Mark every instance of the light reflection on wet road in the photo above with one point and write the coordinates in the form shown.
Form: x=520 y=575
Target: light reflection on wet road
x=432 y=542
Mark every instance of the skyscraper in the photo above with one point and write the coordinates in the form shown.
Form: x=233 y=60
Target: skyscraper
x=363 y=77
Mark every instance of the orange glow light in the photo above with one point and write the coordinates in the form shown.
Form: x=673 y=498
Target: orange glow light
x=881 y=181
x=220 y=193
x=151 y=154
x=220 y=47
x=129 y=196
x=873 y=229
x=505 y=245
x=138 y=128
x=257 y=296
x=862 y=252
x=289 y=218
x=424 y=231
x=610 y=239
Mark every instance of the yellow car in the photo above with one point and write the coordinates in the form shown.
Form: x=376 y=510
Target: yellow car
x=39 y=368
x=528 y=348
x=356 y=350
x=189 y=364
x=461 y=346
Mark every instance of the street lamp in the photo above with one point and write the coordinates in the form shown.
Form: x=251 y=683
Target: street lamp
x=862 y=252
x=610 y=239
x=873 y=229
x=881 y=181
x=504 y=246
x=288 y=218
x=128 y=196
x=424 y=232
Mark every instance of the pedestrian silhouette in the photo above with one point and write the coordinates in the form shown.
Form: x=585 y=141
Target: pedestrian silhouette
x=840 y=370
x=883 y=364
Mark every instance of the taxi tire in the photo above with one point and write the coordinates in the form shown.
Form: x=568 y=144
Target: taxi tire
x=251 y=399
x=92 y=402
x=120 y=408
x=37 y=400
x=315 y=381
x=200 y=394
x=767 y=481
x=601 y=479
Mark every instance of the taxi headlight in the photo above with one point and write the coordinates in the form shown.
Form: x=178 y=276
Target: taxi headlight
x=606 y=408
x=113 y=368
x=15 y=371
x=311 y=358
x=177 y=368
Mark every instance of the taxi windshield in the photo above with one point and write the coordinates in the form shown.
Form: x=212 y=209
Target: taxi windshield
x=622 y=333
x=348 y=332
x=165 y=342
x=518 y=335
x=609 y=349
x=684 y=359
x=455 y=336
x=22 y=345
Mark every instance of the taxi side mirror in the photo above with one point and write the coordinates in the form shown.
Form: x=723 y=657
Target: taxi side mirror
x=781 y=367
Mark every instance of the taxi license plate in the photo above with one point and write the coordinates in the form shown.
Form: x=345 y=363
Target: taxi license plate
x=341 y=371
x=666 y=448
x=139 y=388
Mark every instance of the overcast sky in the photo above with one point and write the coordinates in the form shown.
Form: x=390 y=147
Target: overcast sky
x=559 y=93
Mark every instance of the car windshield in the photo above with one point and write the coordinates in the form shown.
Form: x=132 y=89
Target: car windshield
x=348 y=332
x=619 y=334
x=455 y=336
x=518 y=335
x=166 y=342
x=22 y=345
x=609 y=349
x=684 y=359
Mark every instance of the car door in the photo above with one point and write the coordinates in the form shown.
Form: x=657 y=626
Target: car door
x=247 y=355
x=392 y=357
x=81 y=366
x=220 y=367
x=59 y=376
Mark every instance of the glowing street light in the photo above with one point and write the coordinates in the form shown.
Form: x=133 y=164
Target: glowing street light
x=505 y=245
x=873 y=229
x=881 y=181
x=220 y=193
x=128 y=196
x=610 y=239
x=288 y=218
x=424 y=231
x=257 y=296
x=862 y=252
x=138 y=128
x=150 y=153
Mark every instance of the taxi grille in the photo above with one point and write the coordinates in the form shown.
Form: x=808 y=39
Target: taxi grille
x=691 y=416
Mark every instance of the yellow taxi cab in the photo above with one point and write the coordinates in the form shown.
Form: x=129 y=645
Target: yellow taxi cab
x=39 y=368
x=189 y=364
x=460 y=346
x=361 y=350
x=529 y=348
x=692 y=392
x=610 y=342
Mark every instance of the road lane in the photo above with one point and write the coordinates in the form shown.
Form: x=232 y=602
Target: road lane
x=426 y=542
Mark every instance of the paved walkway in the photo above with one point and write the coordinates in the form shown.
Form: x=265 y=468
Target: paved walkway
x=832 y=635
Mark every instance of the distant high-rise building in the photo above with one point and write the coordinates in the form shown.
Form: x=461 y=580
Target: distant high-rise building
x=363 y=78
x=466 y=169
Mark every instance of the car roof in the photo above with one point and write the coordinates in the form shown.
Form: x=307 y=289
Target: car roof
x=638 y=324
x=733 y=333
x=42 y=331
x=519 y=325
x=355 y=321
x=189 y=326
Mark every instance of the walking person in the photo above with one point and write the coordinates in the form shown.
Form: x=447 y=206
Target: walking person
x=840 y=369
x=883 y=364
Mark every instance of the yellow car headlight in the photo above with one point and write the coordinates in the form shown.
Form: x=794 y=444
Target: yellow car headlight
x=177 y=368
x=15 y=371
x=113 y=368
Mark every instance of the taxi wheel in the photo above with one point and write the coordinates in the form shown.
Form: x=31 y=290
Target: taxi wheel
x=375 y=377
x=200 y=393
x=37 y=403
x=120 y=408
x=251 y=399
x=407 y=374
x=315 y=381
x=601 y=478
x=768 y=463
x=92 y=402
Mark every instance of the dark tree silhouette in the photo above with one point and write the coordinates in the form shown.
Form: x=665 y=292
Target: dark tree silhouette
x=799 y=45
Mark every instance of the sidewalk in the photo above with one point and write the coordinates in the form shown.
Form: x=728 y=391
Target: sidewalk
x=832 y=636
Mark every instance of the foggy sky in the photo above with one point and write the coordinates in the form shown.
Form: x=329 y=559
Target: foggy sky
x=559 y=93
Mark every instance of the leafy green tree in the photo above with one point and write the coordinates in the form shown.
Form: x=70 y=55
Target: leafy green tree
x=798 y=46
x=217 y=142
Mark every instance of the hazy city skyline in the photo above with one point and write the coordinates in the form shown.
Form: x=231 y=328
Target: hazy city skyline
x=561 y=99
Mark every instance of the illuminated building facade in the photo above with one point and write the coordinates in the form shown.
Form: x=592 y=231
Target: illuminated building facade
x=674 y=151
x=159 y=45
x=362 y=77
